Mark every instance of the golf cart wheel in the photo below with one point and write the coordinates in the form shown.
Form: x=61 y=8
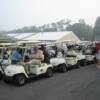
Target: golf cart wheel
x=49 y=72
x=78 y=64
x=63 y=68
x=20 y=80
x=84 y=63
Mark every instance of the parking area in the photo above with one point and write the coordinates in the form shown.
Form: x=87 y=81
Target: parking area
x=77 y=84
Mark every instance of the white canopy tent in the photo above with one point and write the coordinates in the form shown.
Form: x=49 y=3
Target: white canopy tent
x=47 y=37
x=54 y=37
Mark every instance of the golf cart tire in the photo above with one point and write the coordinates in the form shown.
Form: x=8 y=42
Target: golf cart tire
x=78 y=64
x=63 y=68
x=49 y=72
x=20 y=79
x=84 y=63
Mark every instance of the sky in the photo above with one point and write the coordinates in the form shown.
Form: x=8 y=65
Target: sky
x=19 y=13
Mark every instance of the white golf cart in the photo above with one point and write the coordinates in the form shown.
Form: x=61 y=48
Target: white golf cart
x=3 y=62
x=58 y=61
x=74 y=58
x=2 y=68
x=59 y=64
x=90 y=58
x=70 y=59
x=18 y=74
x=87 y=51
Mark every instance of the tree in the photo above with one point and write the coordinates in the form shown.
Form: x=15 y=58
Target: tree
x=82 y=21
x=81 y=29
x=68 y=22
x=54 y=25
x=96 y=30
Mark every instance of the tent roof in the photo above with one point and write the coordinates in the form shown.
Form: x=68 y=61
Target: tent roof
x=46 y=36
x=4 y=44
x=20 y=35
x=34 y=41
x=24 y=35
x=12 y=34
x=52 y=36
x=69 y=38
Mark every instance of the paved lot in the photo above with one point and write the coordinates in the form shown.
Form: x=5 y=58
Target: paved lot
x=78 y=84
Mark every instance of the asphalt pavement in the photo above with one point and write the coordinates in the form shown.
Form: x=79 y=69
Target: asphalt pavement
x=77 y=84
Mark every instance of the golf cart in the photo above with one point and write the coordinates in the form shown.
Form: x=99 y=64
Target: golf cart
x=90 y=58
x=4 y=62
x=71 y=58
x=59 y=63
x=75 y=58
x=18 y=74
x=2 y=68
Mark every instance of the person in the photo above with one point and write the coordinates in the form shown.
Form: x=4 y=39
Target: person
x=35 y=59
x=59 y=54
x=46 y=54
x=15 y=56
x=98 y=54
x=52 y=52
x=37 y=55
x=88 y=50
x=5 y=58
x=70 y=52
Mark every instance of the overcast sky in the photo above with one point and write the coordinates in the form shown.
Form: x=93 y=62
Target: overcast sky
x=18 y=13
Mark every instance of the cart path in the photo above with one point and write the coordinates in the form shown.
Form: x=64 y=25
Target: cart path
x=78 y=84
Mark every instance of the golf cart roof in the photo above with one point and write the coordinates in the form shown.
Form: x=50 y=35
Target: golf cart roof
x=6 y=44
x=67 y=42
x=27 y=42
